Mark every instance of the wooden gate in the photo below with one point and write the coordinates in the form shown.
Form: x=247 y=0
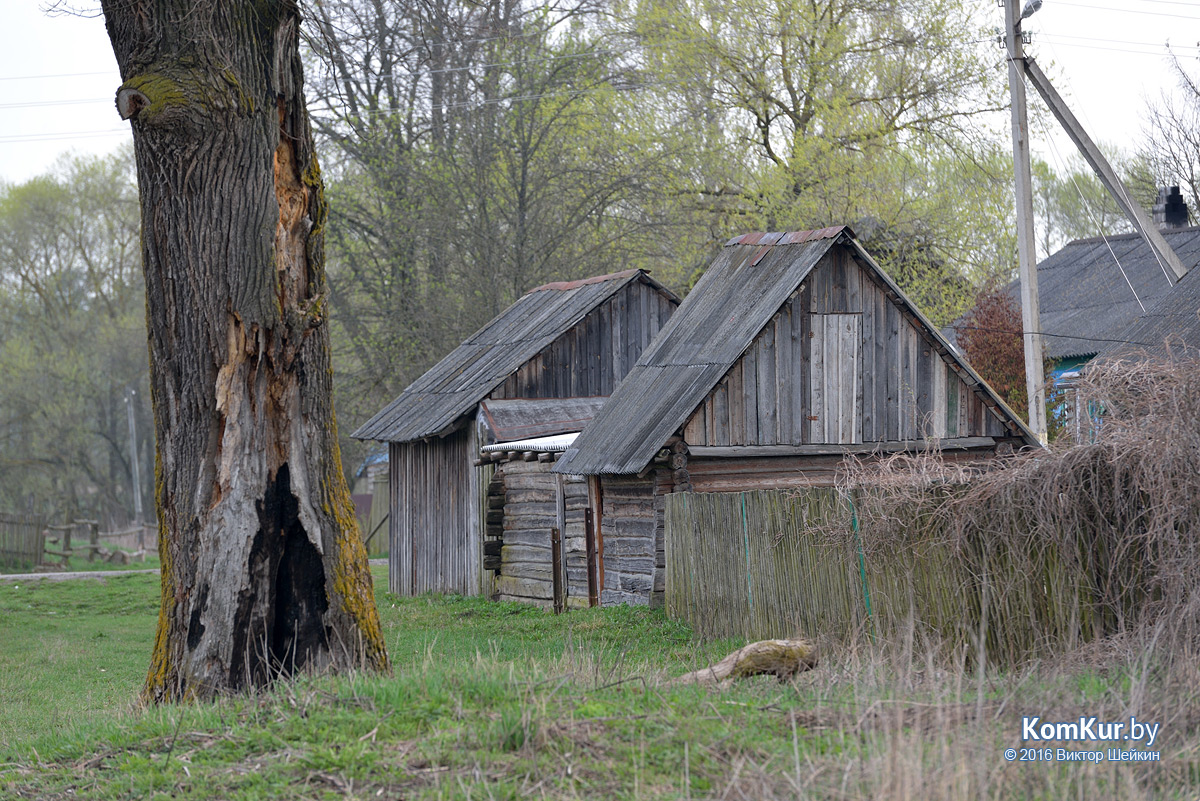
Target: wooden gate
x=22 y=541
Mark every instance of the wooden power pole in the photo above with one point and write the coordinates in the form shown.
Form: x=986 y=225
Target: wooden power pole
x=1035 y=380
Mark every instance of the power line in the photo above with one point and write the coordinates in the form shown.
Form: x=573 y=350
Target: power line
x=51 y=137
x=1126 y=10
x=1163 y=43
x=1049 y=334
x=1160 y=54
x=59 y=75
x=41 y=103
x=1099 y=228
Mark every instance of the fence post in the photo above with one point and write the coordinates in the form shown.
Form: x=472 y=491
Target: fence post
x=93 y=538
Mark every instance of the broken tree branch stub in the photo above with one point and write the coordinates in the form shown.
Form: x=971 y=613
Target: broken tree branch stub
x=780 y=658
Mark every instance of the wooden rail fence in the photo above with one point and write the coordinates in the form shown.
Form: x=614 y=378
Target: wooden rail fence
x=751 y=565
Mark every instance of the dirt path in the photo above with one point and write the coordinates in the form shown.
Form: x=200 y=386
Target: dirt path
x=9 y=578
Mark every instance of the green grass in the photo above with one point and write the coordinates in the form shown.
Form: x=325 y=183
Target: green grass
x=77 y=564
x=73 y=653
x=501 y=701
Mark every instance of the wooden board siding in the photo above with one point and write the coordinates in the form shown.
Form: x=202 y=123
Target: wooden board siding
x=590 y=358
x=840 y=362
x=835 y=390
x=435 y=524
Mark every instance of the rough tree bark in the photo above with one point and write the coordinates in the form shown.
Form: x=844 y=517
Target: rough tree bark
x=263 y=568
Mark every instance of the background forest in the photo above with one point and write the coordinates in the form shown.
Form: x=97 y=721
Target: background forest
x=474 y=150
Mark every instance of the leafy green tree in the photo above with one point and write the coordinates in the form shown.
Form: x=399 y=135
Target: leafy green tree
x=72 y=342
x=807 y=114
x=488 y=154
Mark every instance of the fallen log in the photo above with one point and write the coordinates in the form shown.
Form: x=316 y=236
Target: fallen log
x=780 y=658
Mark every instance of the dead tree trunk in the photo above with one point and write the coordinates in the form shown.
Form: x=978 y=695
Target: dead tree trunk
x=264 y=571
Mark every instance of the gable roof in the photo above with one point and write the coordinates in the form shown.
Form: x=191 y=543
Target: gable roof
x=1173 y=322
x=739 y=293
x=1085 y=300
x=433 y=403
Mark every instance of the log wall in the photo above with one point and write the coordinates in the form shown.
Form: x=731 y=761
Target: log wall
x=742 y=474
x=531 y=509
x=632 y=525
x=841 y=363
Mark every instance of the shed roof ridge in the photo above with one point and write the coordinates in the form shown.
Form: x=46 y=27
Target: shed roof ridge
x=1092 y=240
x=595 y=279
x=770 y=238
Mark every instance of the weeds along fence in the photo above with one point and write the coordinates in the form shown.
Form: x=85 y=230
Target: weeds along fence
x=22 y=541
x=784 y=563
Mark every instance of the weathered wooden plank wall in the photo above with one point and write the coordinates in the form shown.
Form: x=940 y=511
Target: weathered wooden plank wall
x=22 y=541
x=435 y=527
x=840 y=363
x=590 y=358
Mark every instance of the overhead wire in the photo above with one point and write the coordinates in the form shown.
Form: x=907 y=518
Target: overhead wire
x=1061 y=162
x=1050 y=334
x=1129 y=202
x=1125 y=10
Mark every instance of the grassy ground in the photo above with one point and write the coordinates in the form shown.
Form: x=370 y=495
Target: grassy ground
x=80 y=563
x=498 y=701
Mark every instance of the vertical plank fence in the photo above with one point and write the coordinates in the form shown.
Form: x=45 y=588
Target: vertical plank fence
x=21 y=541
x=752 y=565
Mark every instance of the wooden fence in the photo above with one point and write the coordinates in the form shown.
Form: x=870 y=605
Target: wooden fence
x=21 y=541
x=751 y=565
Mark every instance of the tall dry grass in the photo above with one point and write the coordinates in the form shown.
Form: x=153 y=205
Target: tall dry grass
x=1084 y=541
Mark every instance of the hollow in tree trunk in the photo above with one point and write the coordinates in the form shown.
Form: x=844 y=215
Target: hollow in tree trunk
x=263 y=567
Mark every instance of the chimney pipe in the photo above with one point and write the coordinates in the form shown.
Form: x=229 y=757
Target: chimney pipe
x=1170 y=211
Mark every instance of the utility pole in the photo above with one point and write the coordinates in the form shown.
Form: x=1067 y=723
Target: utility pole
x=1035 y=379
x=130 y=393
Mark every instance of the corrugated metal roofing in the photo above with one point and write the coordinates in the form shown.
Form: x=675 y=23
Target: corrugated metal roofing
x=1174 y=319
x=1085 y=301
x=452 y=387
x=747 y=283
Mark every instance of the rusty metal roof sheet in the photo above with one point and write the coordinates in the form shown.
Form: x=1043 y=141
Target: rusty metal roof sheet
x=433 y=404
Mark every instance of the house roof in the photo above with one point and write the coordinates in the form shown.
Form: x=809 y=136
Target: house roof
x=433 y=404
x=747 y=283
x=1169 y=324
x=515 y=419
x=1086 y=302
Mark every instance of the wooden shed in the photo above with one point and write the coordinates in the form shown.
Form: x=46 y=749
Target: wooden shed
x=573 y=339
x=793 y=351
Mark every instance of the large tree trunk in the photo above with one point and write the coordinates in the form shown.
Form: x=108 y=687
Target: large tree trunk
x=264 y=571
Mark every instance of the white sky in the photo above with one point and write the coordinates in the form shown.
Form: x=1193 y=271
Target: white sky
x=1105 y=56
